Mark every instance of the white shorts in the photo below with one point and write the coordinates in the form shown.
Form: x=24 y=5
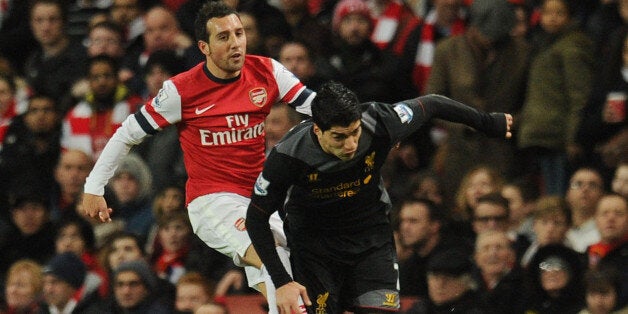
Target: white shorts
x=219 y=220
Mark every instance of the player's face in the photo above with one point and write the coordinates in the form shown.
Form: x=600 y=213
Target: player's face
x=226 y=46
x=340 y=141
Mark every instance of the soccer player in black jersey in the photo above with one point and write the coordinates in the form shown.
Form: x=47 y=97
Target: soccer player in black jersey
x=324 y=178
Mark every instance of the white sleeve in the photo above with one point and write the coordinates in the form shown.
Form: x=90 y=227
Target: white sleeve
x=291 y=90
x=128 y=134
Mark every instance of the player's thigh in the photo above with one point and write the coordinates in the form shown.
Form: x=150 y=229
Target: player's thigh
x=375 y=282
x=219 y=220
x=322 y=281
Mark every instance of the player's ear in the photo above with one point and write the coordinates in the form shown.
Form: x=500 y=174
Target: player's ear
x=317 y=130
x=204 y=47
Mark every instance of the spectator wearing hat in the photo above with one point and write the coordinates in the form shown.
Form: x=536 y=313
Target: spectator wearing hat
x=65 y=289
x=554 y=281
x=451 y=287
x=358 y=63
x=76 y=235
x=486 y=68
x=134 y=286
x=132 y=187
x=122 y=247
x=30 y=233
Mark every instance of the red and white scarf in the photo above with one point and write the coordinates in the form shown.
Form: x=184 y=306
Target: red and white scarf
x=427 y=46
x=386 y=24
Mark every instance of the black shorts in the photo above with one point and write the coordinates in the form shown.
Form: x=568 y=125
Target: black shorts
x=368 y=280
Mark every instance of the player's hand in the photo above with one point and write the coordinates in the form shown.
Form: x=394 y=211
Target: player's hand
x=233 y=278
x=288 y=298
x=509 y=121
x=95 y=206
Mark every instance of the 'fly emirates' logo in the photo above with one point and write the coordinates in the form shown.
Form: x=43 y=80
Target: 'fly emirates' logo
x=238 y=130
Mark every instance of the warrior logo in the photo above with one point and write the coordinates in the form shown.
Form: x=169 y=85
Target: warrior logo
x=313 y=177
x=391 y=299
x=322 y=303
x=258 y=96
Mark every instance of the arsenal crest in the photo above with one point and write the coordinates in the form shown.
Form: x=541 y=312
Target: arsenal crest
x=258 y=96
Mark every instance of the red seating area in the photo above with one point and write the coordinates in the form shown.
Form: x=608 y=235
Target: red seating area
x=254 y=304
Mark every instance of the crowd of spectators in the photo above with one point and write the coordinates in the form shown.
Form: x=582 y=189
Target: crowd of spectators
x=535 y=224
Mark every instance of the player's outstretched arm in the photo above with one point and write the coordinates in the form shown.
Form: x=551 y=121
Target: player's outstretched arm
x=95 y=206
x=494 y=124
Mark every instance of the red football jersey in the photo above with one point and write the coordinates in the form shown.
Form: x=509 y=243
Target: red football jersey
x=221 y=122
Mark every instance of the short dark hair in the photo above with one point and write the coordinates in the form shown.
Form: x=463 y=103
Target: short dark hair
x=602 y=280
x=529 y=190
x=85 y=229
x=208 y=11
x=60 y=4
x=111 y=26
x=102 y=58
x=494 y=198
x=335 y=105
x=435 y=212
x=45 y=96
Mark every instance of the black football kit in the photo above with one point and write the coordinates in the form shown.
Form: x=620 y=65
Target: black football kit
x=336 y=212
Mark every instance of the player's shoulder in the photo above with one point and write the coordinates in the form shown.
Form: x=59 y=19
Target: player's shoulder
x=258 y=64
x=255 y=59
x=185 y=76
x=376 y=109
x=297 y=139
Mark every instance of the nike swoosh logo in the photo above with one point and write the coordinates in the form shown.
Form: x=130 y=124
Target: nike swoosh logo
x=201 y=111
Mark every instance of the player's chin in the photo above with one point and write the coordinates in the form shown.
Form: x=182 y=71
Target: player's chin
x=346 y=157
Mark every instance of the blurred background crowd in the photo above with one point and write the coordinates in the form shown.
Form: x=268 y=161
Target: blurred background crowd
x=535 y=224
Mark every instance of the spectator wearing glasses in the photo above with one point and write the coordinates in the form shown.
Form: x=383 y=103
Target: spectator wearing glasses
x=134 y=286
x=586 y=187
x=491 y=213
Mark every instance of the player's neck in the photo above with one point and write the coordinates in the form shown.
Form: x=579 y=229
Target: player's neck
x=220 y=73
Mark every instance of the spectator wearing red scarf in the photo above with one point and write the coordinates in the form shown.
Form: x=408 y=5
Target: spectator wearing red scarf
x=611 y=218
x=172 y=247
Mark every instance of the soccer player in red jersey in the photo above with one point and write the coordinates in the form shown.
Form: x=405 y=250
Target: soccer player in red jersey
x=219 y=107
